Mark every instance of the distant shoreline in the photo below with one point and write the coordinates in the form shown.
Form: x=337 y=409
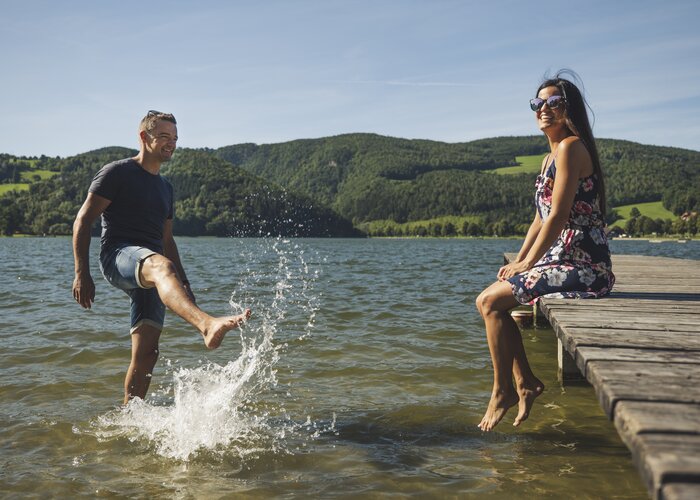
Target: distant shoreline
x=652 y=239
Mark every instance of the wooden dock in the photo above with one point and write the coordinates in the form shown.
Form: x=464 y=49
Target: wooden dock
x=640 y=350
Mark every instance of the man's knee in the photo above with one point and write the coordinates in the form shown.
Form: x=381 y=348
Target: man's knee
x=156 y=267
x=144 y=351
x=145 y=358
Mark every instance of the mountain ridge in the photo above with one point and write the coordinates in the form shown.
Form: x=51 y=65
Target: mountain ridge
x=327 y=185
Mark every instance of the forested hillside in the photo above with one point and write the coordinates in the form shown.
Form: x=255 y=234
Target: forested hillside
x=216 y=198
x=339 y=170
x=366 y=177
x=379 y=184
x=212 y=198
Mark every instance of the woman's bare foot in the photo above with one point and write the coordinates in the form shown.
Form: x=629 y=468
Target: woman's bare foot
x=214 y=333
x=498 y=406
x=528 y=394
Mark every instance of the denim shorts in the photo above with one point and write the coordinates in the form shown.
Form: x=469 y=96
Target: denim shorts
x=120 y=265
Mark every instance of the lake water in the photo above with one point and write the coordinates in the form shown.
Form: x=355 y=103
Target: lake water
x=363 y=373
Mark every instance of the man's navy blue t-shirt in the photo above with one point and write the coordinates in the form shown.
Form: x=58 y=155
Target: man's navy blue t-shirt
x=141 y=203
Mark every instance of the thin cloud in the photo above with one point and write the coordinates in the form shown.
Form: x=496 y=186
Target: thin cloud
x=401 y=83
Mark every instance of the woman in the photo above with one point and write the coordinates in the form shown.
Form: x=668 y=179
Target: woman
x=565 y=252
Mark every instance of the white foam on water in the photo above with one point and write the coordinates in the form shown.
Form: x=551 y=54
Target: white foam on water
x=232 y=409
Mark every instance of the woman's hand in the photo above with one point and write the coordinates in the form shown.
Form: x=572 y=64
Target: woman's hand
x=510 y=270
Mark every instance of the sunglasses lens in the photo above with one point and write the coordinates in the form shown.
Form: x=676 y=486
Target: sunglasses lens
x=536 y=104
x=554 y=101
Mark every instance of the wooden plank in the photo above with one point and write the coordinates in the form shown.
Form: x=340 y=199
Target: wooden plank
x=615 y=381
x=680 y=491
x=681 y=279
x=587 y=354
x=573 y=338
x=660 y=288
x=607 y=319
x=664 y=306
x=627 y=258
x=642 y=295
x=633 y=309
x=640 y=349
x=665 y=459
x=627 y=304
x=602 y=325
x=634 y=417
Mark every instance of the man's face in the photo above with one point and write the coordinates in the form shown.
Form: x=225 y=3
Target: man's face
x=162 y=141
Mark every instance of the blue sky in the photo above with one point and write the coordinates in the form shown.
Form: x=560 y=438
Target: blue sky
x=79 y=75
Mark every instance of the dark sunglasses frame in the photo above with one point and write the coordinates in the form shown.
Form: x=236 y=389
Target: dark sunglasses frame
x=553 y=102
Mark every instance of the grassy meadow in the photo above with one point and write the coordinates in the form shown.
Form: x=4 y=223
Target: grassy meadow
x=34 y=175
x=526 y=165
x=375 y=226
x=6 y=188
x=653 y=210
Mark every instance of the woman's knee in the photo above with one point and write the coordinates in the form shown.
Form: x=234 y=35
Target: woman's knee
x=479 y=302
x=484 y=303
x=495 y=299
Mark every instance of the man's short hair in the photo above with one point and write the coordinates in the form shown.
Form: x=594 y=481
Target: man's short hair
x=148 y=123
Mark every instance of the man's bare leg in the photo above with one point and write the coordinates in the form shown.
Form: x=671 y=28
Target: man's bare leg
x=160 y=272
x=144 y=355
x=508 y=357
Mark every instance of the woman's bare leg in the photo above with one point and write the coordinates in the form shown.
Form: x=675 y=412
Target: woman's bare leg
x=529 y=387
x=507 y=356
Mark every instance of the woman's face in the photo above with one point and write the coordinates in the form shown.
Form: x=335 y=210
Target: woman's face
x=547 y=117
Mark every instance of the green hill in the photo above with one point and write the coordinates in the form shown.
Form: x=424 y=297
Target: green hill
x=652 y=210
x=531 y=164
x=212 y=198
x=366 y=177
x=379 y=184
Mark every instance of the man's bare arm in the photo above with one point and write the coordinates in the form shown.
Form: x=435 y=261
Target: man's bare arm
x=83 y=285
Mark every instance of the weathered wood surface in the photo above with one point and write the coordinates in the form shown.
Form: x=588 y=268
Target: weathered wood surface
x=640 y=349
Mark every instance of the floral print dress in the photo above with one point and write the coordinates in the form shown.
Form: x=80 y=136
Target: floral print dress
x=578 y=263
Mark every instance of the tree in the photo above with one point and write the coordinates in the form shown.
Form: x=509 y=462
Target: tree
x=449 y=229
x=647 y=225
x=476 y=229
x=10 y=216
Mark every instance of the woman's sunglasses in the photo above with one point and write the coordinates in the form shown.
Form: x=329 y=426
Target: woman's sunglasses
x=553 y=102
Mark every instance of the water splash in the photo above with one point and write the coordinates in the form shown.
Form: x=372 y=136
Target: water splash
x=234 y=409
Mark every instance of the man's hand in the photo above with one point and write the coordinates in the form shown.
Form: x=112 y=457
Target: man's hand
x=84 y=290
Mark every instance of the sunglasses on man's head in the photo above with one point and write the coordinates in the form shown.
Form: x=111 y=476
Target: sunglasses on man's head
x=153 y=112
x=553 y=102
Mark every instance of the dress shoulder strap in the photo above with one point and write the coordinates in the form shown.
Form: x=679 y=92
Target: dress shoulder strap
x=545 y=164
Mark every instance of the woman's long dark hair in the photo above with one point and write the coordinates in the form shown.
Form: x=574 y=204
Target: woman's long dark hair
x=577 y=120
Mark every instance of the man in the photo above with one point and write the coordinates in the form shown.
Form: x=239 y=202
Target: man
x=138 y=253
